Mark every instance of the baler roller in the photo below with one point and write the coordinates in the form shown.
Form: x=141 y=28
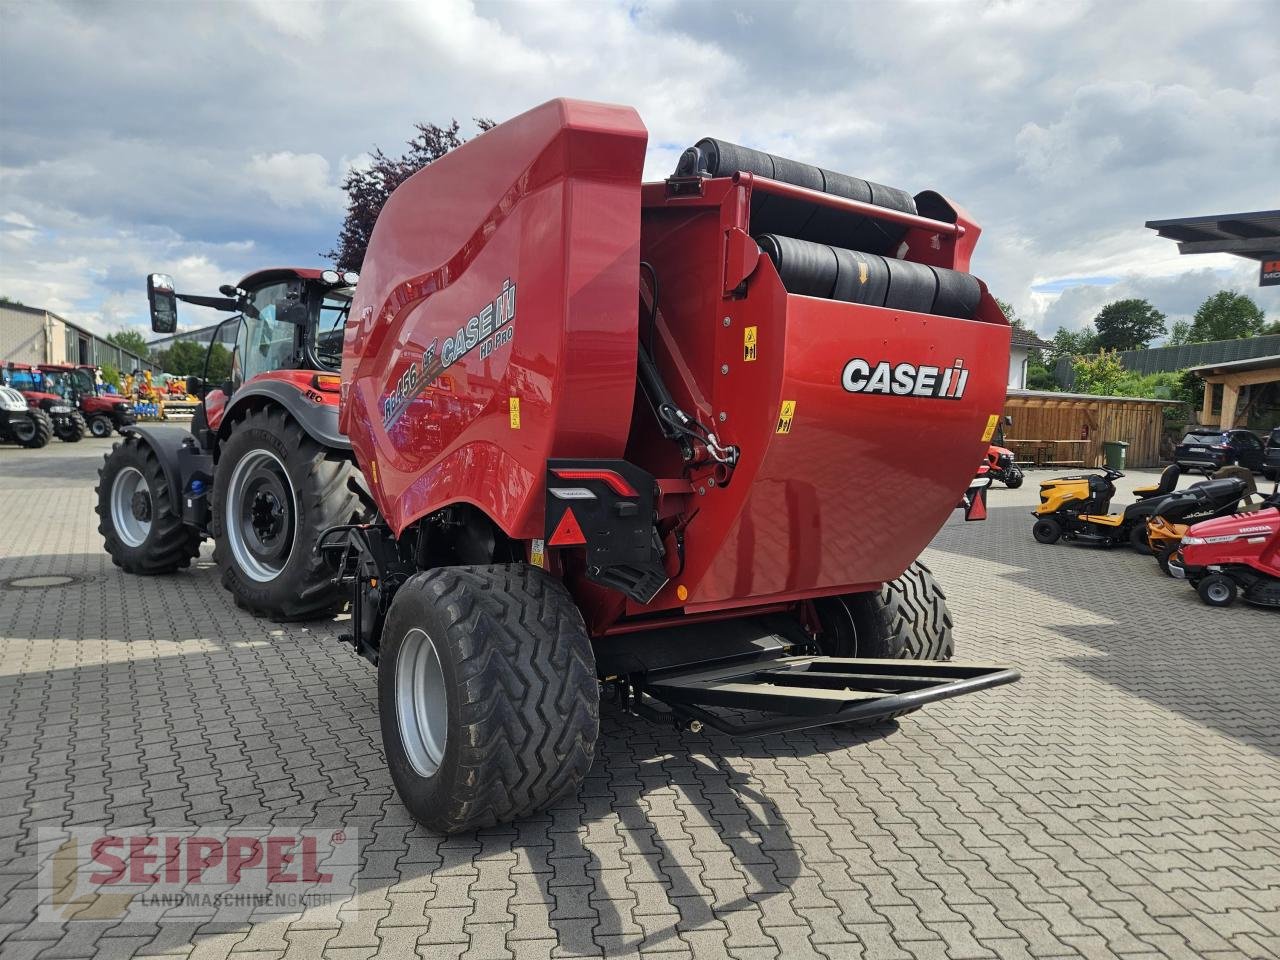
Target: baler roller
x=798 y=218
x=836 y=273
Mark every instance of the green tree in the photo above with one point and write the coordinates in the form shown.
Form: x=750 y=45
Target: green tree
x=1071 y=343
x=1099 y=374
x=1128 y=325
x=130 y=340
x=1226 y=316
x=1180 y=333
x=183 y=358
x=11 y=302
x=111 y=375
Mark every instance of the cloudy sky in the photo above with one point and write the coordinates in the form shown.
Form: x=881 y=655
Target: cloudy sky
x=206 y=139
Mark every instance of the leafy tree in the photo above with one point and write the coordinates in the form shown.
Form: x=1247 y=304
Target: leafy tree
x=1128 y=325
x=1040 y=377
x=367 y=190
x=11 y=302
x=1099 y=374
x=1071 y=343
x=1270 y=329
x=1226 y=316
x=130 y=340
x=1180 y=333
x=183 y=358
x=111 y=375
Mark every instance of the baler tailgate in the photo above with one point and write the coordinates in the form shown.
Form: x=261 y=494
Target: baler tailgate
x=799 y=692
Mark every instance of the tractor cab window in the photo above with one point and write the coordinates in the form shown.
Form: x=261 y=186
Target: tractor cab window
x=264 y=343
x=335 y=307
x=25 y=380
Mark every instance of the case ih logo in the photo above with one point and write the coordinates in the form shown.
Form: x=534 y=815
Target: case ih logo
x=905 y=379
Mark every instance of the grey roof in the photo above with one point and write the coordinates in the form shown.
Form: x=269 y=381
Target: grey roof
x=1254 y=236
x=1239 y=366
x=1025 y=338
x=1056 y=395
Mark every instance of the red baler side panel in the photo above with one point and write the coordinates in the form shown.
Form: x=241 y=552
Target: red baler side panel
x=531 y=233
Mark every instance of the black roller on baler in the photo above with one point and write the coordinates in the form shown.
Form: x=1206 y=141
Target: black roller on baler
x=797 y=218
x=820 y=270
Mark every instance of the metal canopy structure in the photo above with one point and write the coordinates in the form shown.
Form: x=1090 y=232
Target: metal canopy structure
x=1253 y=236
x=1233 y=376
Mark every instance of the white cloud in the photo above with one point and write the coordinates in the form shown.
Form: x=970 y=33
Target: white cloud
x=294 y=180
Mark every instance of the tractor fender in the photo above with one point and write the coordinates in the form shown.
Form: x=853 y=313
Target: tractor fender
x=180 y=457
x=319 y=420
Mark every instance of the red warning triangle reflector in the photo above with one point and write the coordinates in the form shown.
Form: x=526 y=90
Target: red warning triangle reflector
x=567 y=533
x=978 y=506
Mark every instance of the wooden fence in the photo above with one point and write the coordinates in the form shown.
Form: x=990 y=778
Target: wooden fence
x=1041 y=418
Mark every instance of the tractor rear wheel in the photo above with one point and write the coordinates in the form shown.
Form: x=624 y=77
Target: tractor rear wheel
x=274 y=492
x=906 y=619
x=139 y=522
x=34 y=431
x=1217 y=590
x=71 y=430
x=487 y=695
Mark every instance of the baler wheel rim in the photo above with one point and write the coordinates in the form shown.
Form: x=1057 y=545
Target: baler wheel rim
x=422 y=707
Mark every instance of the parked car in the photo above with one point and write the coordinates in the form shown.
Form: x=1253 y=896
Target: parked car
x=1209 y=448
x=1271 y=458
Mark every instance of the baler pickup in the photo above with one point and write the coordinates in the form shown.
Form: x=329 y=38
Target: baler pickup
x=801 y=692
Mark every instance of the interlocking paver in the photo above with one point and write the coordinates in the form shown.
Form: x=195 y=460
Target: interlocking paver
x=1122 y=800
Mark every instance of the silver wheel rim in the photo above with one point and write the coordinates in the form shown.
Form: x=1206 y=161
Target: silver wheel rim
x=129 y=491
x=24 y=430
x=99 y=427
x=1218 y=592
x=421 y=707
x=259 y=565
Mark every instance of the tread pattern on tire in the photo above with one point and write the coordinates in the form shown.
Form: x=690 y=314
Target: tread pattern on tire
x=172 y=544
x=530 y=698
x=77 y=432
x=43 y=430
x=917 y=610
x=324 y=499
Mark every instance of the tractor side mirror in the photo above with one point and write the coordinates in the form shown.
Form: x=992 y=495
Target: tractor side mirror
x=163 y=302
x=1008 y=420
x=197 y=387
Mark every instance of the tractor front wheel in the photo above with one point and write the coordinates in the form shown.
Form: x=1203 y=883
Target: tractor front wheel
x=35 y=431
x=274 y=492
x=1164 y=553
x=488 y=698
x=71 y=430
x=100 y=426
x=139 y=522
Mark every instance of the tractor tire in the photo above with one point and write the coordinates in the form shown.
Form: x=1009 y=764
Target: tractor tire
x=1217 y=590
x=72 y=432
x=487 y=695
x=34 y=433
x=1164 y=553
x=101 y=426
x=287 y=490
x=140 y=524
x=1138 y=540
x=1047 y=530
x=906 y=619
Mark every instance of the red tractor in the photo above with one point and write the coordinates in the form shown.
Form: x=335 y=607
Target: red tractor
x=49 y=393
x=102 y=414
x=646 y=439
x=263 y=469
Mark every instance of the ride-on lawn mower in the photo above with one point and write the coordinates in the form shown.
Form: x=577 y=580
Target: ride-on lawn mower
x=648 y=437
x=1234 y=556
x=47 y=394
x=1228 y=492
x=22 y=424
x=1000 y=459
x=263 y=469
x=1074 y=509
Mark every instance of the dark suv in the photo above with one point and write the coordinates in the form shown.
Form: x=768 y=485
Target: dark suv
x=1271 y=459
x=1208 y=448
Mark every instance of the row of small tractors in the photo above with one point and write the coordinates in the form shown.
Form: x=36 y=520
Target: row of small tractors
x=1218 y=534
x=43 y=401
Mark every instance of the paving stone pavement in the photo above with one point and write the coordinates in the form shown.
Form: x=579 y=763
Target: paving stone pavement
x=1122 y=800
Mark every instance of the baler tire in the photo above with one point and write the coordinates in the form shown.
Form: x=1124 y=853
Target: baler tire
x=168 y=544
x=303 y=588
x=522 y=703
x=76 y=432
x=39 y=435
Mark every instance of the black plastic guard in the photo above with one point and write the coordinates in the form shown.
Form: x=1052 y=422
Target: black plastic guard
x=607 y=508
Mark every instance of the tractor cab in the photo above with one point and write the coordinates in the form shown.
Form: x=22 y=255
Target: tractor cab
x=287 y=326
